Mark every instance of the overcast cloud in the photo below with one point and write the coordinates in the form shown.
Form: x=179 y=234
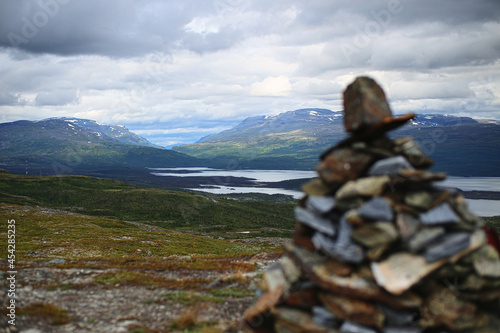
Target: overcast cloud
x=174 y=71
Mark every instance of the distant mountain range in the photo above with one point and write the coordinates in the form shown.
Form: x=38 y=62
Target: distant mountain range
x=461 y=146
x=79 y=146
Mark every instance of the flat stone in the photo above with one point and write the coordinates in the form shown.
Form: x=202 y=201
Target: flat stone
x=476 y=282
x=391 y=166
x=316 y=187
x=343 y=164
x=407 y=225
x=320 y=204
x=375 y=234
x=447 y=245
x=414 y=154
x=347 y=308
x=295 y=320
x=323 y=317
x=421 y=176
x=254 y=315
x=402 y=270
x=419 y=199
x=487 y=263
x=397 y=317
x=369 y=187
x=56 y=261
x=275 y=278
x=314 y=221
x=321 y=274
x=399 y=329
x=344 y=252
x=350 y=327
x=442 y=214
x=302 y=295
x=281 y=274
x=377 y=209
x=290 y=270
x=376 y=252
x=302 y=235
x=460 y=206
x=342 y=248
x=445 y=308
x=424 y=237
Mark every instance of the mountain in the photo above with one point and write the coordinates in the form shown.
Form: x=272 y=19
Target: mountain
x=116 y=133
x=79 y=146
x=461 y=146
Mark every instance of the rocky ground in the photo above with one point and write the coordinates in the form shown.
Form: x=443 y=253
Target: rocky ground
x=53 y=298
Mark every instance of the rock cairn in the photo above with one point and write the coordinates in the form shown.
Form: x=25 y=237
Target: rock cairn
x=377 y=247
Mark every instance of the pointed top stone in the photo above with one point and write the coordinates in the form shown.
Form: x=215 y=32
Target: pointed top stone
x=366 y=108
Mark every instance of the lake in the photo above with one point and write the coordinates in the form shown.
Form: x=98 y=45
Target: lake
x=478 y=206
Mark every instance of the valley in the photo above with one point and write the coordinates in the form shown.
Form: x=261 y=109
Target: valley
x=106 y=219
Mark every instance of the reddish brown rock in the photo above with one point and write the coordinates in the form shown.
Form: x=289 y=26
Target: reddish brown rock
x=347 y=308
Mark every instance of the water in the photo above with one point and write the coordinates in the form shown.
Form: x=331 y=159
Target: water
x=257 y=175
x=480 y=207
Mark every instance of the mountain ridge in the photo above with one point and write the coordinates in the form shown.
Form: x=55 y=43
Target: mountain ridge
x=79 y=146
x=295 y=139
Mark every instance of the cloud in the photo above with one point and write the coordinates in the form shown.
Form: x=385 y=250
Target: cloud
x=7 y=98
x=179 y=69
x=278 y=86
x=59 y=97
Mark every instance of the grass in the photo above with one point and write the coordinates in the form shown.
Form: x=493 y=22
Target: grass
x=42 y=234
x=181 y=210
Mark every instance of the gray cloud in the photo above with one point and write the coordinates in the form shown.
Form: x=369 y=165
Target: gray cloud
x=164 y=66
x=59 y=97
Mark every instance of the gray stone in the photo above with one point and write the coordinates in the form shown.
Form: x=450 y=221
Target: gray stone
x=320 y=204
x=342 y=248
x=350 y=327
x=398 y=329
x=390 y=166
x=314 y=221
x=377 y=209
x=398 y=317
x=346 y=253
x=323 y=317
x=447 y=246
x=56 y=261
x=401 y=270
x=424 y=237
x=442 y=214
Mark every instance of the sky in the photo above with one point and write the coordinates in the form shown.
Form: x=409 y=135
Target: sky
x=174 y=71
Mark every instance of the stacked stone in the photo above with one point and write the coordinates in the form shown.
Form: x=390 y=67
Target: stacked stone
x=377 y=247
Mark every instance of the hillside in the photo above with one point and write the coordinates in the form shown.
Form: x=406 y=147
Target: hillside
x=461 y=146
x=78 y=146
x=161 y=208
